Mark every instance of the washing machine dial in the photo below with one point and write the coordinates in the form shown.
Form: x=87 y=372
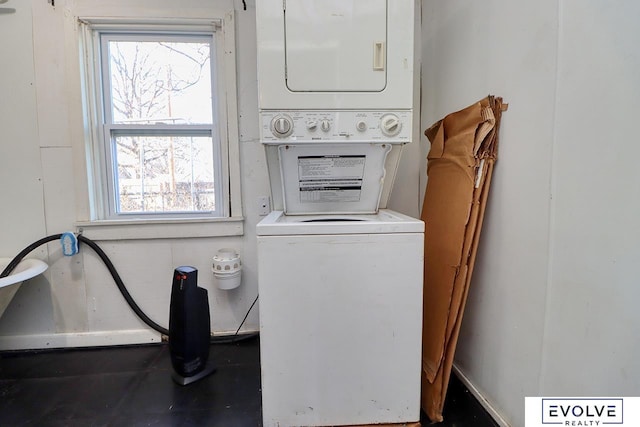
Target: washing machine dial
x=390 y=125
x=282 y=126
x=361 y=126
x=312 y=125
x=325 y=125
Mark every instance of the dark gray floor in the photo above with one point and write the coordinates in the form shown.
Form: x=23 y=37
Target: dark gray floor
x=132 y=386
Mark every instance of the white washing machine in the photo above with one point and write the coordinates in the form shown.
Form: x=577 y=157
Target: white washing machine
x=340 y=318
x=340 y=276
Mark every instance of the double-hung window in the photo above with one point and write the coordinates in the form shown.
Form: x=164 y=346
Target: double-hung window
x=160 y=125
x=162 y=148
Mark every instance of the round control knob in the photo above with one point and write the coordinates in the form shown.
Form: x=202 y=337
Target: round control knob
x=281 y=126
x=390 y=124
x=312 y=125
x=361 y=126
x=325 y=125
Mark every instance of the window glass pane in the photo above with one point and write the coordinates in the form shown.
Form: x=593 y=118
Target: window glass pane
x=160 y=82
x=164 y=174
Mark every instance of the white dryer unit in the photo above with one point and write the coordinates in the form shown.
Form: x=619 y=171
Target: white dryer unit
x=318 y=54
x=334 y=73
x=340 y=318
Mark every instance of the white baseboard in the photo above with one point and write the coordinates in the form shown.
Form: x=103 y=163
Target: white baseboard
x=480 y=398
x=81 y=339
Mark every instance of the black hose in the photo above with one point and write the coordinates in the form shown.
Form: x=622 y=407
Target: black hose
x=123 y=289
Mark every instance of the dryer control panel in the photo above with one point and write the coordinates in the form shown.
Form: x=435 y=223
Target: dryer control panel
x=312 y=126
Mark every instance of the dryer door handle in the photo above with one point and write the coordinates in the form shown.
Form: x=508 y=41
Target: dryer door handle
x=378 y=56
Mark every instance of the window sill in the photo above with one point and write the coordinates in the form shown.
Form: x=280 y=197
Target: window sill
x=161 y=228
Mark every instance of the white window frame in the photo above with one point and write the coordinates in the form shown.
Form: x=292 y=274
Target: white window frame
x=102 y=225
x=112 y=129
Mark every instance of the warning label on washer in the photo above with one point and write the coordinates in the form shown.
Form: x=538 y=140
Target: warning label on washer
x=330 y=178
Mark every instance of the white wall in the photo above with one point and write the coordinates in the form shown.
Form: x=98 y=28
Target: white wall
x=21 y=173
x=551 y=306
x=76 y=302
x=592 y=337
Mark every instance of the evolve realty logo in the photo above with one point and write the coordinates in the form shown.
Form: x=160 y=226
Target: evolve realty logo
x=582 y=412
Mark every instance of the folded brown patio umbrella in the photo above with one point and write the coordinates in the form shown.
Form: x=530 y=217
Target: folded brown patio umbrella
x=460 y=164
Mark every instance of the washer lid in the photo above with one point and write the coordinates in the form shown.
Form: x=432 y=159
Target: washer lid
x=385 y=221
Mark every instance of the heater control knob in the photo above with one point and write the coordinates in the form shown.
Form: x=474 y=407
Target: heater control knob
x=282 y=126
x=390 y=124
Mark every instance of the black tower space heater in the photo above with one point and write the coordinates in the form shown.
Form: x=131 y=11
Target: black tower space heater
x=189 y=328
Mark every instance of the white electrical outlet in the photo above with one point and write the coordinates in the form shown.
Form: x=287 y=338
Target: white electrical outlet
x=264 y=205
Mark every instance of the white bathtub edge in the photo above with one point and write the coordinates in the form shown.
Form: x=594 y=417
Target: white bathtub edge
x=26 y=269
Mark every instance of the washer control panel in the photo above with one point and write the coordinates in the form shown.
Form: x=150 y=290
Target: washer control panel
x=308 y=126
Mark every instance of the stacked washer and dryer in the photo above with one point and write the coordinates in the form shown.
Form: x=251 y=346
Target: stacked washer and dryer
x=340 y=276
